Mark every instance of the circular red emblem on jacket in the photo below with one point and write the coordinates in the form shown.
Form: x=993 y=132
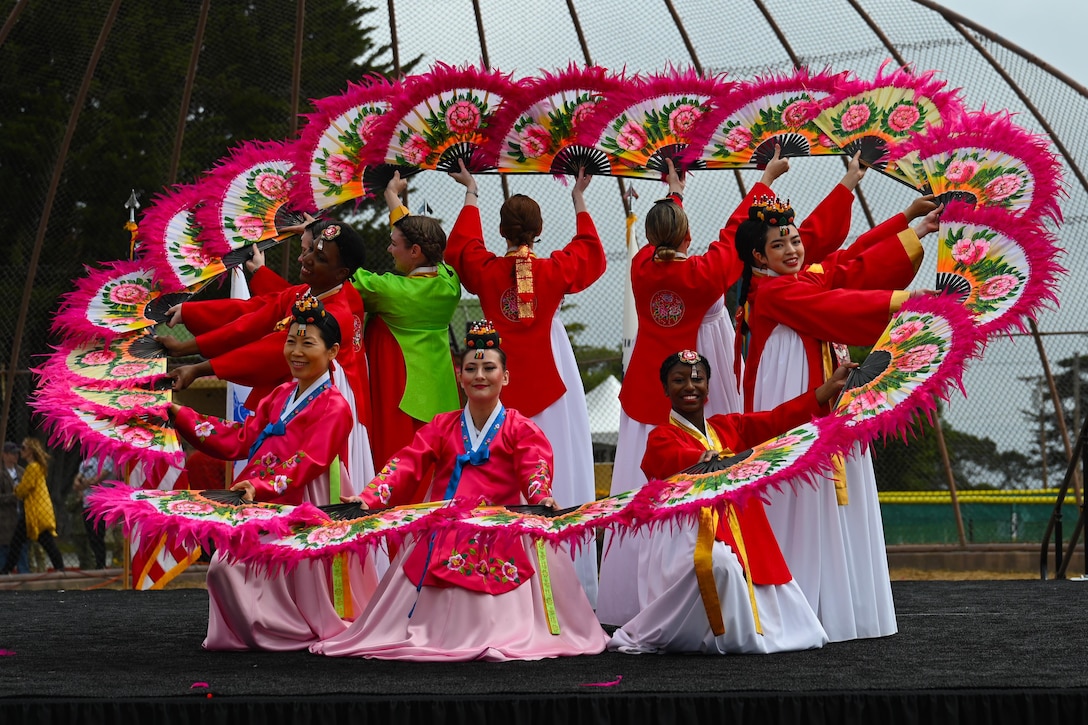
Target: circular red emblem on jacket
x=666 y=308
x=508 y=304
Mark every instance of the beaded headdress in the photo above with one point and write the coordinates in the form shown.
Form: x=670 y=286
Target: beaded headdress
x=307 y=310
x=773 y=212
x=481 y=336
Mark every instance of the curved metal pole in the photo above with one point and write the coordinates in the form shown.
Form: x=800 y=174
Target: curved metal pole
x=187 y=92
x=47 y=208
x=13 y=17
x=1059 y=414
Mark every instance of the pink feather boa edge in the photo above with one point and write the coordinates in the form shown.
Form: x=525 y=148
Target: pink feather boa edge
x=154 y=228
x=411 y=91
x=997 y=132
x=71 y=318
x=54 y=371
x=373 y=90
x=1040 y=249
x=532 y=90
x=67 y=430
x=822 y=84
x=115 y=504
x=213 y=187
x=949 y=103
x=966 y=343
x=642 y=88
x=52 y=395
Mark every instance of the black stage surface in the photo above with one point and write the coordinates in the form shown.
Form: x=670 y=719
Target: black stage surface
x=970 y=652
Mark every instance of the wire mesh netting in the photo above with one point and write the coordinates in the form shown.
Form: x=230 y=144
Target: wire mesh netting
x=131 y=133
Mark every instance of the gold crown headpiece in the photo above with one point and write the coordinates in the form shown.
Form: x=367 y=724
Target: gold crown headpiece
x=772 y=211
x=482 y=335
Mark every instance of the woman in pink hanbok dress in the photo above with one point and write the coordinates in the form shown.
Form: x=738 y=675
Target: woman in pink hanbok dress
x=449 y=597
x=295 y=435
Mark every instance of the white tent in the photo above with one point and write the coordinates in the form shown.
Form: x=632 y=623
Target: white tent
x=603 y=403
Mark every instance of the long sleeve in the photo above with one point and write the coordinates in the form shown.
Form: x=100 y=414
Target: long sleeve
x=534 y=461
x=582 y=260
x=466 y=251
x=405 y=469
x=853 y=317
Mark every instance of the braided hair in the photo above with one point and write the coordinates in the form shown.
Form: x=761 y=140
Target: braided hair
x=766 y=214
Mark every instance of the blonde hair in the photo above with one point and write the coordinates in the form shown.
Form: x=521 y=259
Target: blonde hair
x=666 y=228
x=36 y=451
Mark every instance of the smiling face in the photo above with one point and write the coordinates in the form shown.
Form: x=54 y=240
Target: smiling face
x=307 y=355
x=483 y=378
x=321 y=268
x=783 y=254
x=687 y=387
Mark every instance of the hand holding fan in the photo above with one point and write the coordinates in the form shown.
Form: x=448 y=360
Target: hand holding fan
x=438 y=118
x=759 y=114
x=1000 y=267
x=328 y=153
x=918 y=357
x=986 y=160
x=535 y=131
x=654 y=119
x=243 y=195
x=873 y=116
x=121 y=298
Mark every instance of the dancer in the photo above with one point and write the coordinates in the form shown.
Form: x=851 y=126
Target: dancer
x=407 y=330
x=39 y=521
x=680 y=302
x=522 y=293
x=698 y=575
x=832 y=536
x=294 y=436
x=243 y=339
x=451 y=597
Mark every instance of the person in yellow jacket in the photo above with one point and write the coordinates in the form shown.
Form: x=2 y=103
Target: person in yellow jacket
x=39 y=522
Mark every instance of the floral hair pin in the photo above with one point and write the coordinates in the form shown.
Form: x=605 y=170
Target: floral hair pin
x=328 y=234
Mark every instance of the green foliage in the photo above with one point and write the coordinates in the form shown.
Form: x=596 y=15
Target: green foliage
x=595 y=363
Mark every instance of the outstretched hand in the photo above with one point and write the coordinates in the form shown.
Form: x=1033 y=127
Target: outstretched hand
x=396 y=185
x=462 y=176
x=920 y=207
x=676 y=180
x=355 y=499
x=173 y=315
x=248 y=491
x=298 y=229
x=256 y=258
x=855 y=172
x=930 y=223
x=775 y=167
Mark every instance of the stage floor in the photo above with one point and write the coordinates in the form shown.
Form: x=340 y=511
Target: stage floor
x=1018 y=648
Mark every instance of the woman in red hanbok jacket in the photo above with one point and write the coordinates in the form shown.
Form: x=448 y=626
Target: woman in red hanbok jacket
x=832 y=536
x=448 y=597
x=294 y=436
x=522 y=293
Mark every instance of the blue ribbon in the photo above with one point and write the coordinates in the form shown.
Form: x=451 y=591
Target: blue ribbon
x=280 y=426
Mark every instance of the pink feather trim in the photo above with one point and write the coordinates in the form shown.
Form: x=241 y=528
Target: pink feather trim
x=818 y=86
x=67 y=430
x=374 y=90
x=1041 y=250
x=217 y=185
x=155 y=229
x=55 y=369
x=643 y=88
x=996 y=132
x=949 y=103
x=73 y=318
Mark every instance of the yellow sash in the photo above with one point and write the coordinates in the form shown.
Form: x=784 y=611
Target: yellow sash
x=838 y=470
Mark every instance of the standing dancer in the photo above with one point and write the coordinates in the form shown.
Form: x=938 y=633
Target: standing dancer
x=407 y=330
x=522 y=293
x=831 y=536
x=291 y=440
x=452 y=597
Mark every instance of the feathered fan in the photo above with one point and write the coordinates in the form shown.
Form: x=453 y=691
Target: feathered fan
x=151 y=440
x=872 y=116
x=918 y=357
x=123 y=297
x=758 y=114
x=436 y=118
x=328 y=152
x=535 y=130
x=172 y=238
x=130 y=360
x=798 y=454
x=986 y=160
x=655 y=118
x=245 y=196
x=1002 y=268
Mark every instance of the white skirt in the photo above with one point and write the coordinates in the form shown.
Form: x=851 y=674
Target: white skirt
x=566 y=425
x=674 y=618
x=836 y=553
x=623 y=594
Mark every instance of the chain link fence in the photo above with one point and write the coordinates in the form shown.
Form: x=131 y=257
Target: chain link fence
x=128 y=127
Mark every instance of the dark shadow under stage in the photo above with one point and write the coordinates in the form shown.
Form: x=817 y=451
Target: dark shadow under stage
x=971 y=652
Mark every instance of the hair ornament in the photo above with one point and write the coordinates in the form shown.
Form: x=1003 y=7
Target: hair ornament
x=772 y=211
x=327 y=234
x=482 y=335
x=307 y=310
x=689 y=357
